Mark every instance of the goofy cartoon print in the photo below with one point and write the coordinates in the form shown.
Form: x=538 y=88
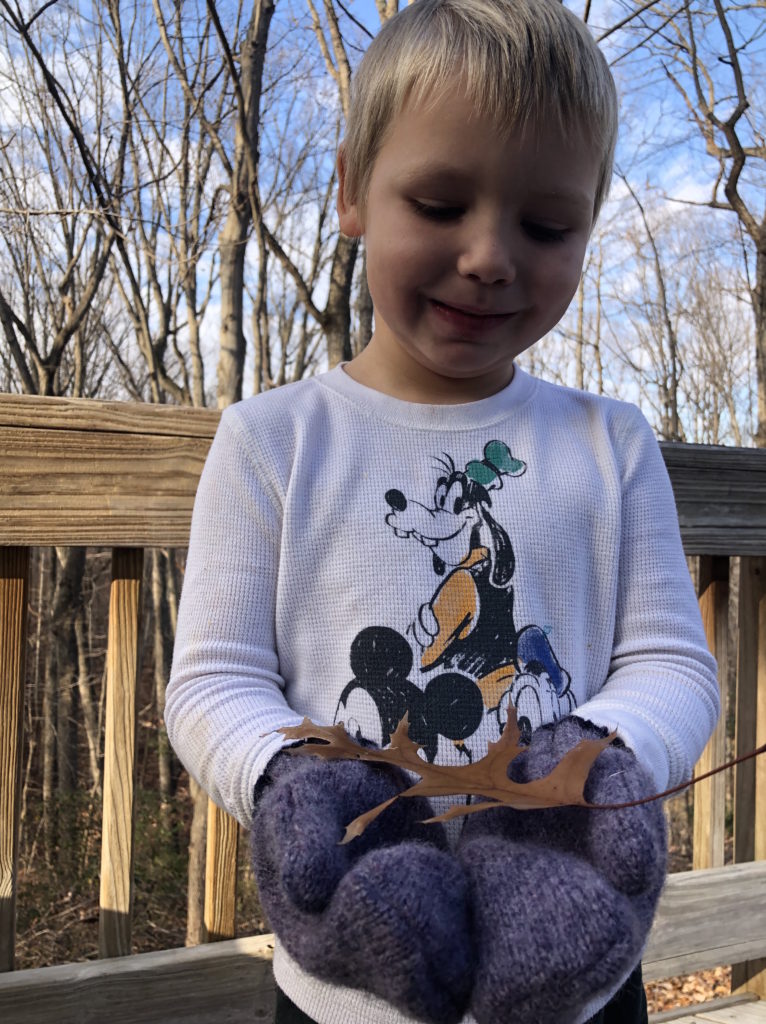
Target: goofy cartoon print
x=476 y=661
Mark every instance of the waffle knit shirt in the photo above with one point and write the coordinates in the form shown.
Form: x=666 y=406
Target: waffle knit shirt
x=354 y=557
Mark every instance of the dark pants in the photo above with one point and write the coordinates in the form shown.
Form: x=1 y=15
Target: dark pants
x=628 y=1006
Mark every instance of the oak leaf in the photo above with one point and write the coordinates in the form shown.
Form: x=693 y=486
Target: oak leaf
x=487 y=778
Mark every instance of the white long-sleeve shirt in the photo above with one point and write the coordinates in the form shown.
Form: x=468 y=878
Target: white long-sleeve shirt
x=353 y=556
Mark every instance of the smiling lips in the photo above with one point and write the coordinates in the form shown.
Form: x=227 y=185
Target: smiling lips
x=469 y=317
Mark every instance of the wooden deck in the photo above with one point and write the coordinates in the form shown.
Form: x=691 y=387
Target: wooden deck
x=705 y=918
x=743 y=1013
x=76 y=472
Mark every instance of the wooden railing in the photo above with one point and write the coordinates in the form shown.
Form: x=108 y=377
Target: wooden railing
x=112 y=475
x=124 y=476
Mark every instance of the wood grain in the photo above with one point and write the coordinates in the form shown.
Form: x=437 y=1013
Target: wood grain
x=750 y=777
x=710 y=794
x=720 y=495
x=223 y=983
x=77 y=471
x=752 y=574
x=736 y=1014
x=759 y=838
x=678 y=1014
x=708 y=918
x=120 y=754
x=97 y=488
x=751 y=1013
x=124 y=475
x=91 y=415
x=220 y=875
x=14 y=582
x=232 y=983
x=748 y=1013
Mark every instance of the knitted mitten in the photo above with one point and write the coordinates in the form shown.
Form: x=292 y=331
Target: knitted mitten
x=563 y=899
x=389 y=911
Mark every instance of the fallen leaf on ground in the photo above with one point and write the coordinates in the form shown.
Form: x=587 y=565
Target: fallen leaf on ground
x=688 y=990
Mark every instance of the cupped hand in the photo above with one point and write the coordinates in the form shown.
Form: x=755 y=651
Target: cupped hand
x=387 y=912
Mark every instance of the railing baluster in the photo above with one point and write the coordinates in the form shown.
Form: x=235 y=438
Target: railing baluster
x=752 y=572
x=220 y=875
x=14 y=584
x=750 y=777
x=116 y=901
x=710 y=795
x=102 y=474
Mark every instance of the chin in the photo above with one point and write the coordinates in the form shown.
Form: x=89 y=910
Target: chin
x=466 y=370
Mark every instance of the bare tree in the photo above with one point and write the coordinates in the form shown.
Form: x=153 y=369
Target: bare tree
x=719 y=378
x=244 y=197
x=711 y=54
x=657 y=323
x=56 y=241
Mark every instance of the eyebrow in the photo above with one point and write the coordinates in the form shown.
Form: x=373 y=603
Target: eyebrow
x=435 y=172
x=573 y=196
x=445 y=174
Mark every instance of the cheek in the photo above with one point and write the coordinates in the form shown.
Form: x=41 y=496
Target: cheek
x=396 y=269
x=561 y=275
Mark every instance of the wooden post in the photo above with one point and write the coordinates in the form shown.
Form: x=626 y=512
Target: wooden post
x=114 y=933
x=14 y=583
x=220 y=875
x=710 y=795
x=759 y=852
x=750 y=777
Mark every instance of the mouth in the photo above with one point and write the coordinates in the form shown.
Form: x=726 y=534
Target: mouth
x=470 y=317
x=478 y=311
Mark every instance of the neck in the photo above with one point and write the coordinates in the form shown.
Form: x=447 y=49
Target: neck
x=422 y=386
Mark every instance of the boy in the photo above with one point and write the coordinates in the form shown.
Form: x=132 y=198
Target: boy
x=428 y=530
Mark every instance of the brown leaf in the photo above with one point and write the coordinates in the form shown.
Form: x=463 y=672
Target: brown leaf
x=487 y=777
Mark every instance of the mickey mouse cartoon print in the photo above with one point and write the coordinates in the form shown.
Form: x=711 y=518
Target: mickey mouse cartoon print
x=471 y=660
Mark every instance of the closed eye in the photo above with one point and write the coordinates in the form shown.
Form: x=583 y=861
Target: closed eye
x=443 y=213
x=542 y=233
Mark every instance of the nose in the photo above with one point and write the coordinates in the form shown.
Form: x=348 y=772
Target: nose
x=488 y=256
x=396 y=500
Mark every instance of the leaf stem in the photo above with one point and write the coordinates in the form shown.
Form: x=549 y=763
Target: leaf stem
x=683 y=785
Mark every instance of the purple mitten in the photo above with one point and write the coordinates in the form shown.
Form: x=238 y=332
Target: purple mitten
x=563 y=898
x=388 y=912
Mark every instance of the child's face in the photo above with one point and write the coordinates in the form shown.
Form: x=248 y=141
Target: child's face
x=475 y=247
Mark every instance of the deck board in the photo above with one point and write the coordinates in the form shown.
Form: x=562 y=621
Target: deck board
x=744 y=1013
x=122 y=474
x=709 y=914
x=750 y=1013
x=219 y=983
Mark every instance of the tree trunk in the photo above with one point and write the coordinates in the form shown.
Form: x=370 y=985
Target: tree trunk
x=236 y=230
x=67 y=601
x=162 y=649
x=597 y=332
x=580 y=339
x=66 y=726
x=231 y=356
x=49 y=725
x=364 y=309
x=89 y=713
x=338 y=310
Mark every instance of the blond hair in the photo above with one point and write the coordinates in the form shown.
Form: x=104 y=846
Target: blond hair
x=522 y=63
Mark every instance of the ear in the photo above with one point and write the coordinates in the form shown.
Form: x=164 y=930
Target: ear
x=503 y=558
x=349 y=215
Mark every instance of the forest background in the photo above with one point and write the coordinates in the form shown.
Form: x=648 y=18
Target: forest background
x=167 y=235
